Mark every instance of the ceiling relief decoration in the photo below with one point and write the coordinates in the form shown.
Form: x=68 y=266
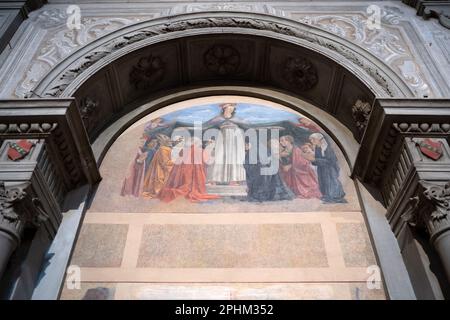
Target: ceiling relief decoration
x=372 y=70
x=60 y=42
x=49 y=41
x=147 y=72
x=300 y=73
x=388 y=43
x=222 y=60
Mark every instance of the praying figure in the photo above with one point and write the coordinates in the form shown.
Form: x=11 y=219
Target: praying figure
x=327 y=170
x=296 y=170
x=187 y=178
x=134 y=181
x=265 y=186
x=160 y=168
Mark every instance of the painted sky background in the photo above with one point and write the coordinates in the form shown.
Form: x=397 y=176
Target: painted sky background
x=250 y=112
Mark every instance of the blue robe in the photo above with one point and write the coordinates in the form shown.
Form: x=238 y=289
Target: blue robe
x=328 y=176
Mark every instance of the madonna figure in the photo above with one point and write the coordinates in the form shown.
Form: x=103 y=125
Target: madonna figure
x=229 y=152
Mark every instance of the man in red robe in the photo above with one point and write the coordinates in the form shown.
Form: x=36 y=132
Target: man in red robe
x=296 y=170
x=188 y=177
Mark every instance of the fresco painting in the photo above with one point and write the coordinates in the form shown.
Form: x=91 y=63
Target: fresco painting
x=234 y=152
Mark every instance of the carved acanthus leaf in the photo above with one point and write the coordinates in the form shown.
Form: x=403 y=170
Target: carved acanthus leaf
x=361 y=112
x=439 y=196
x=18 y=209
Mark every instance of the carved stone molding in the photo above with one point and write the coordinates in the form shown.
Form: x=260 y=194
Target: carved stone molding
x=222 y=60
x=360 y=113
x=394 y=118
x=55 y=85
x=61 y=126
x=19 y=209
x=27 y=128
x=147 y=72
x=300 y=73
x=432 y=9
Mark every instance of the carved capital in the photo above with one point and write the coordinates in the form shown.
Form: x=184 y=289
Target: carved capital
x=430 y=208
x=19 y=209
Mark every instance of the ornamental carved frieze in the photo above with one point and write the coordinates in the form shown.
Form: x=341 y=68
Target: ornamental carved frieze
x=148 y=71
x=222 y=60
x=19 y=209
x=360 y=113
x=300 y=73
x=29 y=128
x=405 y=128
x=60 y=84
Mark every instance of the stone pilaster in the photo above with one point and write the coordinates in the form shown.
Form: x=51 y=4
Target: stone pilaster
x=18 y=210
x=405 y=156
x=44 y=154
x=417 y=190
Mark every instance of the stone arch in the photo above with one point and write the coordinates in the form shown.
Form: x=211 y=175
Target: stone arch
x=328 y=72
x=295 y=58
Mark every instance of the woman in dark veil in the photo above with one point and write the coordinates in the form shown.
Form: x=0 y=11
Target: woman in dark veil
x=327 y=170
x=264 y=185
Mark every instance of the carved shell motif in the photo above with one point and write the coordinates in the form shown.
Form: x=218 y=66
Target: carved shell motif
x=300 y=73
x=222 y=60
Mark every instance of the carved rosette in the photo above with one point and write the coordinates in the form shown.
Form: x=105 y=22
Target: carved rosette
x=300 y=73
x=19 y=209
x=148 y=71
x=430 y=209
x=222 y=60
x=57 y=87
x=360 y=113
